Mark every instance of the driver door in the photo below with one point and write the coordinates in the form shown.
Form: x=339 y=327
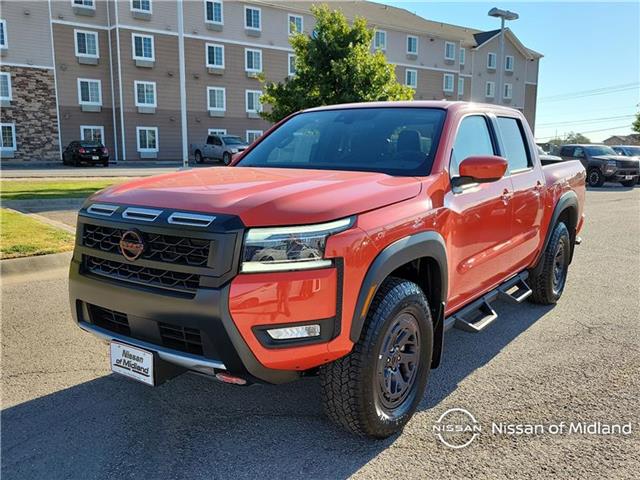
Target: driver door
x=479 y=227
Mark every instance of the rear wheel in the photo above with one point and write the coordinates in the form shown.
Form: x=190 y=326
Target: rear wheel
x=548 y=281
x=199 y=158
x=595 y=178
x=376 y=389
x=76 y=162
x=226 y=158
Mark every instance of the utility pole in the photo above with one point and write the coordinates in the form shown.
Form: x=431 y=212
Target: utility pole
x=503 y=15
x=183 y=86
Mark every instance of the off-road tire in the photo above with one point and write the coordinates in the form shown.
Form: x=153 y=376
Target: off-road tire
x=629 y=183
x=595 y=178
x=546 y=290
x=350 y=385
x=199 y=158
x=226 y=158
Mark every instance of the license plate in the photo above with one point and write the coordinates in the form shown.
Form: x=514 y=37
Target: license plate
x=628 y=177
x=132 y=362
x=95 y=157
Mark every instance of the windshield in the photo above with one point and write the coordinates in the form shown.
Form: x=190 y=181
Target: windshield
x=396 y=141
x=90 y=143
x=233 y=140
x=600 y=150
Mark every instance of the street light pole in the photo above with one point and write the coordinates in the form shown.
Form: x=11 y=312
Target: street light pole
x=503 y=15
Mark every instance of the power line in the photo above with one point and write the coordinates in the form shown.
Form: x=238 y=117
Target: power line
x=588 y=131
x=585 y=121
x=594 y=91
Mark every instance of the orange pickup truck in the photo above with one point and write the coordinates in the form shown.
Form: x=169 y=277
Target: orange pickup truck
x=343 y=243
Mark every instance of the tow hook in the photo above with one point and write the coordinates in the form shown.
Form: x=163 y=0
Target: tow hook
x=578 y=240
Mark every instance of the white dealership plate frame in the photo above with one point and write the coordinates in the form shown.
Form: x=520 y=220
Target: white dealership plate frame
x=132 y=362
x=628 y=177
x=95 y=157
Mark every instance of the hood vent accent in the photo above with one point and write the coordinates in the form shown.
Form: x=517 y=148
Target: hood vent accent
x=102 y=209
x=143 y=214
x=190 y=219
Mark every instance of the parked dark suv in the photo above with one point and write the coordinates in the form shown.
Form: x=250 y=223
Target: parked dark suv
x=85 y=151
x=603 y=164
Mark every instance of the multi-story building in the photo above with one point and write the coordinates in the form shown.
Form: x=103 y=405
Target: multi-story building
x=148 y=77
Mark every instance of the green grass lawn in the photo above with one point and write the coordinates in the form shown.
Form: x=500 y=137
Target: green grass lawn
x=22 y=236
x=50 y=189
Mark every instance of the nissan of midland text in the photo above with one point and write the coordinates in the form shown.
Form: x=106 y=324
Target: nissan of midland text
x=343 y=243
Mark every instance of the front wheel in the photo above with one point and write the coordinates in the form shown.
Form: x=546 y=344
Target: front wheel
x=226 y=158
x=595 y=178
x=376 y=389
x=548 y=279
x=629 y=183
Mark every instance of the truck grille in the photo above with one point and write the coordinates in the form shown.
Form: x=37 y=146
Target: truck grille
x=180 y=338
x=155 y=277
x=109 y=320
x=632 y=164
x=175 y=337
x=159 y=247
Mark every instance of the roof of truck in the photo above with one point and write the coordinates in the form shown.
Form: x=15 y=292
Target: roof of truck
x=442 y=104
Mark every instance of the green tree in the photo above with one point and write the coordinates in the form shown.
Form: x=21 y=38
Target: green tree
x=635 y=126
x=334 y=65
x=574 y=137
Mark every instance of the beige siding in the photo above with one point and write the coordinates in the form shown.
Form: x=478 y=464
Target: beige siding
x=163 y=17
x=23 y=20
x=63 y=10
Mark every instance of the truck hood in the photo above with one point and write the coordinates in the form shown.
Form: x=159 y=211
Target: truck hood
x=265 y=196
x=620 y=158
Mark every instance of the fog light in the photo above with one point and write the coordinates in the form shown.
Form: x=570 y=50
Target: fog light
x=287 y=333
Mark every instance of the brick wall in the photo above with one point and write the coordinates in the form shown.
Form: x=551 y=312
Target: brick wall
x=33 y=110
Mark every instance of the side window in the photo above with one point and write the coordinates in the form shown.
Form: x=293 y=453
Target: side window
x=473 y=138
x=217 y=141
x=566 y=152
x=515 y=144
x=578 y=152
x=210 y=140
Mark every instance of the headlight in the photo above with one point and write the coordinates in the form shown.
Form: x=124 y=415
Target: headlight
x=289 y=248
x=234 y=150
x=612 y=164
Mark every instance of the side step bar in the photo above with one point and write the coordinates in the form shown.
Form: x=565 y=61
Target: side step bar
x=478 y=315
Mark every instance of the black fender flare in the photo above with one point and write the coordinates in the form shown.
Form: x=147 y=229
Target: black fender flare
x=425 y=244
x=568 y=201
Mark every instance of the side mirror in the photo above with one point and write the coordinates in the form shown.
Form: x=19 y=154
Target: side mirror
x=481 y=169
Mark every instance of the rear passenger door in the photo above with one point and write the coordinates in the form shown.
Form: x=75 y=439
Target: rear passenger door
x=528 y=187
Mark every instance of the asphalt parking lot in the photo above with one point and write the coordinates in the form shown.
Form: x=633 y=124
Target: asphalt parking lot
x=65 y=416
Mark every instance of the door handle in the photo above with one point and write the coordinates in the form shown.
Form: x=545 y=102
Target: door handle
x=538 y=185
x=506 y=195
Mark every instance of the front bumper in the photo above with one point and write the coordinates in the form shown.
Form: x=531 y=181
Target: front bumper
x=88 y=158
x=223 y=347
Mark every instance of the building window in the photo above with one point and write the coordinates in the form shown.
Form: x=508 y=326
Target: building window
x=253 y=101
x=449 y=51
x=447 y=82
x=216 y=99
x=217 y=131
x=508 y=63
x=380 y=40
x=252 y=18
x=213 y=12
x=147 y=139
x=8 y=136
x=86 y=44
x=253 y=60
x=460 y=86
x=292 y=64
x=412 y=44
x=411 y=78
x=253 y=135
x=145 y=94
x=3 y=34
x=295 y=23
x=84 y=3
x=508 y=91
x=5 y=86
x=491 y=60
x=143 y=47
x=143 y=6
x=490 y=90
x=215 y=55
x=92 y=132
x=463 y=56
x=89 y=92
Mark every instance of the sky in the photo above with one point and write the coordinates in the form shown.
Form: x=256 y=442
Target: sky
x=589 y=78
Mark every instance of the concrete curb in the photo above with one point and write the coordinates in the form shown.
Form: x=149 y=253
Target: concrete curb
x=14 y=267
